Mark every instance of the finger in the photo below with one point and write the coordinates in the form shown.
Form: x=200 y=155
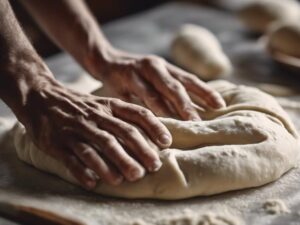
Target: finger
x=193 y=84
x=78 y=170
x=145 y=119
x=133 y=140
x=114 y=152
x=149 y=96
x=156 y=73
x=93 y=160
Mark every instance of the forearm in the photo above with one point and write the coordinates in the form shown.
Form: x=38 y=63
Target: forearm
x=72 y=27
x=21 y=69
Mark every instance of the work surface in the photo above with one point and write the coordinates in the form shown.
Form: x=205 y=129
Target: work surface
x=151 y=32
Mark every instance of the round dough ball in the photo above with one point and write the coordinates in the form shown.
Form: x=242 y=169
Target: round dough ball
x=198 y=50
x=259 y=15
x=285 y=38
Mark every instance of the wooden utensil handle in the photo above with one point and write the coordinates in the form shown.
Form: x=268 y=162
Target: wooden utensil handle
x=34 y=216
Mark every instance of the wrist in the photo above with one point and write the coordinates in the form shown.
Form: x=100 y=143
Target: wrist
x=100 y=58
x=22 y=73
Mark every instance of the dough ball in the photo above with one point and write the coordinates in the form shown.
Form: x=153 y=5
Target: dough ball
x=198 y=50
x=285 y=38
x=259 y=15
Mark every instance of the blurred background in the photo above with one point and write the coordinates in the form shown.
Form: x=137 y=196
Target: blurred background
x=104 y=10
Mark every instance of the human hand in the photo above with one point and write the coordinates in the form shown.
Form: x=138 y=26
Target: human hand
x=89 y=133
x=161 y=86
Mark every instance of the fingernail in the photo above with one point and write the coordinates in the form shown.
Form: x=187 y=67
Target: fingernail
x=164 y=140
x=136 y=174
x=155 y=166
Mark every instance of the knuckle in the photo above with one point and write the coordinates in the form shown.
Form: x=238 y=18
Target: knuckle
x=192 y=80
x=145 y=113
x=174 y=87
x=116 y=103
x=109 y=143
x=151 y=59
x=131 y=132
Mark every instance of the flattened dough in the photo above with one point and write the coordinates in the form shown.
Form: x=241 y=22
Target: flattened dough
x=249 y=143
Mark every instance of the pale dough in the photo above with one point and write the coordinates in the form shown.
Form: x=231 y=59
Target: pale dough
x=249 y=143
x=197 y=49
x=275 y=206
x=260 y=14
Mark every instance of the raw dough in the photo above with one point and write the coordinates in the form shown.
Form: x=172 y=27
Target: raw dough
x=198 y=50
x=250 y=143
x=260 y=14
x=275 y=206
x=285 y=38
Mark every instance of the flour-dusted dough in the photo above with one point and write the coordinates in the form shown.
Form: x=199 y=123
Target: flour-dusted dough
x=285 y=38
x=250 y=143
x=260 y=14
x=198 y=50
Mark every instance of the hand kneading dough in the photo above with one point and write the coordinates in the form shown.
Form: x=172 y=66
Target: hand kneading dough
x=198 y=50
x=285 y=38
x=250 y=143
x=260 y=14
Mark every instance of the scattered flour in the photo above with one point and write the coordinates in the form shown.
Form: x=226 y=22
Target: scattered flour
x=275 y=206
x=208 y=218
x=188 y=217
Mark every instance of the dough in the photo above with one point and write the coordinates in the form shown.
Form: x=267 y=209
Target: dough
x=260 y=14
x=249 y=143
x=285 y=38
x=198 y=50
x=275 y=206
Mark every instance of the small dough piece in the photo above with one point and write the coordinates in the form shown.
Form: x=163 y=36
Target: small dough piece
x=275 y=206
x=198 y=50
x=249 y=143
x=260 y=14
x=285 y=38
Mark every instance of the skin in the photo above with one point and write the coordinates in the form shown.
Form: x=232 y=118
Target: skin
x=96 y=138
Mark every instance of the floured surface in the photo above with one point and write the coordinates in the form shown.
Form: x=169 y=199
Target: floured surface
x=20 y=183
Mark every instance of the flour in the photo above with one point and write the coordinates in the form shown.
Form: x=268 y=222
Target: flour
x=207 y=218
